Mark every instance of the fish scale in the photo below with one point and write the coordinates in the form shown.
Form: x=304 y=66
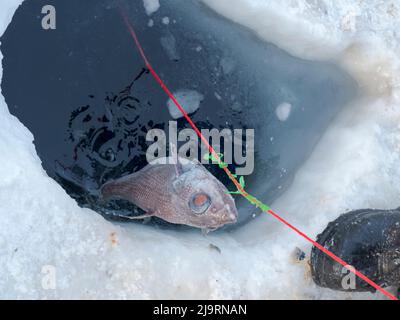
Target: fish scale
x=144 y=188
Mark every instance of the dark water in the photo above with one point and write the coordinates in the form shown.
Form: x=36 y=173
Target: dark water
x=84 y=92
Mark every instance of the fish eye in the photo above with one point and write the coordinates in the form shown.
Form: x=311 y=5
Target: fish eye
x=199 y=203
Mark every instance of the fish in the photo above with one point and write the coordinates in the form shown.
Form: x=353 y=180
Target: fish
x=177 y=190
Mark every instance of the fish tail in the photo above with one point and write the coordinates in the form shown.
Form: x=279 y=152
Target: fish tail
x=112 y=190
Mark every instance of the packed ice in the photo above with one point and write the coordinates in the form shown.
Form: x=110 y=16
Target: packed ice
x=52 y=248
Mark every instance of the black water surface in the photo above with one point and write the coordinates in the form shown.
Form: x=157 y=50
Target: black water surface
x=85 y=94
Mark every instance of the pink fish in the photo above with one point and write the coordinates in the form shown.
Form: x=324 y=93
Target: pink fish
x=181 y=193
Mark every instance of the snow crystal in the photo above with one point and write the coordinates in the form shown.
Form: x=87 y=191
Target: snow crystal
x=189 y=100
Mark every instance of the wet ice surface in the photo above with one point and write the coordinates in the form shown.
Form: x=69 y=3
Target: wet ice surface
x=355 y=165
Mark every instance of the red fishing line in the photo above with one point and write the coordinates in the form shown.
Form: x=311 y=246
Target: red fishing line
x=237 y=184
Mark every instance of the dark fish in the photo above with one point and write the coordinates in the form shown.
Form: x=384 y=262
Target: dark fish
x=369 y=241
x=182 y=193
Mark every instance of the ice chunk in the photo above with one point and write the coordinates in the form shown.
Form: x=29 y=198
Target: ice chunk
x=151 y=6
x=283 y=111
x=165 y=20
x=189 y=100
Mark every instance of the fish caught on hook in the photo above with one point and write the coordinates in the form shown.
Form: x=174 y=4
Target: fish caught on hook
x=177 y=190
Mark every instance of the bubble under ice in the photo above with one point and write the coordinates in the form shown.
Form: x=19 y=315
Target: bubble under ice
x=97 y=259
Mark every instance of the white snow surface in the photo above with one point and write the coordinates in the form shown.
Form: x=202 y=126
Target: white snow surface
x=355 y=165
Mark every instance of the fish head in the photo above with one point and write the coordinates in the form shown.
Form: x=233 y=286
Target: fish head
x=201 y=200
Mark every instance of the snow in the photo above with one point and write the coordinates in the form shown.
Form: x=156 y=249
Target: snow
x=283 y=111
x=151 y=6
x=189 y=100
x=165 y=20
x=355 y=165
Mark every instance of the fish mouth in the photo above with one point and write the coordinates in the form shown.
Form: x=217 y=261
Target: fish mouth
x=232 y=218
x=229 y=217
x=226 y=219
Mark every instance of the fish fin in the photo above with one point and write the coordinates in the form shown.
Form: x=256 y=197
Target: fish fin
x=175 y=158
x=206 y=230
x=148 y=214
